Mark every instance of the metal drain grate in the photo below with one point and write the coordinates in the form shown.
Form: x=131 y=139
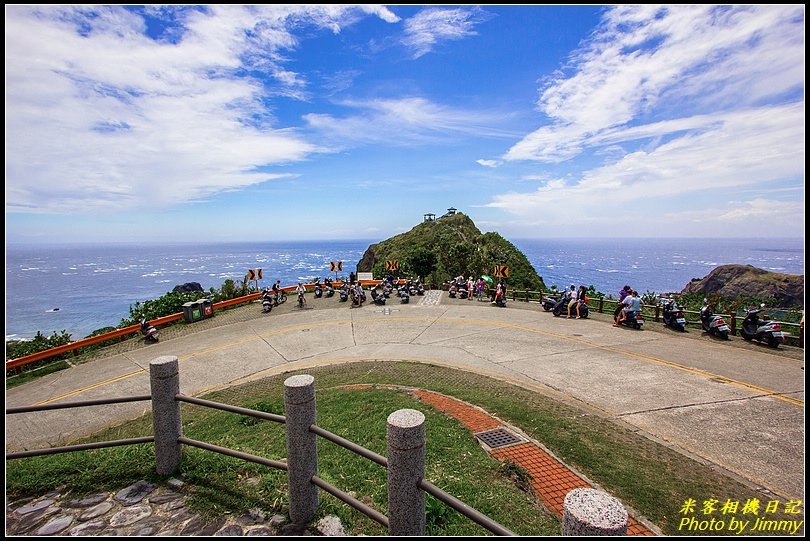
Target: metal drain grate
x=500 y=437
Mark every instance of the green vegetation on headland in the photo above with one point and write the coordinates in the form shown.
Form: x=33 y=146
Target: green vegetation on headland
x=439 y=250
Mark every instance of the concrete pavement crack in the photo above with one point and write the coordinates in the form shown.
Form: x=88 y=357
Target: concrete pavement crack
x=695 y=404
x=429 y=326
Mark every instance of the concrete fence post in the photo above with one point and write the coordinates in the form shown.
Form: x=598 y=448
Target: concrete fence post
x=164 y=378
x=587 y=511
x=302 y=450
x=406 y=467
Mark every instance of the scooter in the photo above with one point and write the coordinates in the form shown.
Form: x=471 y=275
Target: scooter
x=713 y=324
x=452 y=291
x=633 y=319
x=377 y=298
x=549 y=302
x=330 y=291
x=672 y=315
x=562 y=308
x=420 y=289
x=762 y=330
x=463 y=293
x=344 y=293
x=149 y=331
x=404 y=296
x=267 y=301
x=500 y=300
x=318 y=290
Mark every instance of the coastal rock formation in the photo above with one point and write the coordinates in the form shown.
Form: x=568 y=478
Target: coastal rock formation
x=438 y=250
x=732 y=281
x=188 y=287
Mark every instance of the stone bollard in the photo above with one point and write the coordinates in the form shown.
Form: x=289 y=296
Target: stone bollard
x=406 y=467
x=164 y=378
x=587 y=511
x=302 y=450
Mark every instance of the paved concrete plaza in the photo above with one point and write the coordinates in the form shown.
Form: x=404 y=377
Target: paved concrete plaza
x=740 y=408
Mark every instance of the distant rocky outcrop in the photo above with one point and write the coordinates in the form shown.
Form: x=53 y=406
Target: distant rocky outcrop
x=440 y=249
x=732 y=281
x=188 y=287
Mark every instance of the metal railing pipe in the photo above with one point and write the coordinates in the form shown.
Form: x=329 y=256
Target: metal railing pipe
x=351 y=446
x=80 y=447
x=77 y=404
x=476 y=516
x=345 y=498
x=233 y=409
x=235 y=454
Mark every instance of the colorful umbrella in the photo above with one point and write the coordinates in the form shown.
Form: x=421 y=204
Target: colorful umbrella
x=487 y=279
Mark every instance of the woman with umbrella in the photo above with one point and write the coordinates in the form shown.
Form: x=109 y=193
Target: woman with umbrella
x=482 y=286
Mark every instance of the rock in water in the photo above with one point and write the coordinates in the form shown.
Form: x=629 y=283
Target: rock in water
x=731 y=281
x=188 y=287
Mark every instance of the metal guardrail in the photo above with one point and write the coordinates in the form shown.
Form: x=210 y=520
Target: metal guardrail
x=75 y=346
x=373 y=514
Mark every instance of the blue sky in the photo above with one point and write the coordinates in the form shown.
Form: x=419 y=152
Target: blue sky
x=238 y=123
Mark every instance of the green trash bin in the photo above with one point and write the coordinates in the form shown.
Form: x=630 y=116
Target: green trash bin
x=193 y=311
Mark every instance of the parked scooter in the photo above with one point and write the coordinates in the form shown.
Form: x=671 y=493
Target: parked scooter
x=463 y=293
x=330 y=291
x=711 y=323
x=452 y=291
x=404 y=296
x=344 y=293
x=149 y=331
x=420 y=289
x=672 y=315
x=762 y=330
x=550 y=301
x=318 y=290
x=267 y=301
x=376 y=298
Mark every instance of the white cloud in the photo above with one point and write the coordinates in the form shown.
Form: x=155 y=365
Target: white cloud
x=404 y=121
x=488 y=163
x=684 y=101
x=432 y=26
x=676 y=60
x=101 y=117
x=745 y=148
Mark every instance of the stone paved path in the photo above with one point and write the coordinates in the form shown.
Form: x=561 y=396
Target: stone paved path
x=142 y=509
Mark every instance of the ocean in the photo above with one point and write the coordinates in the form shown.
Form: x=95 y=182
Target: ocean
x=83 y=288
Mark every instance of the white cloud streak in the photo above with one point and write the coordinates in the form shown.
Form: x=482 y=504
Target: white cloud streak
x=433 y=26
x=678 y=59
x=404 y=121
x=100 y=117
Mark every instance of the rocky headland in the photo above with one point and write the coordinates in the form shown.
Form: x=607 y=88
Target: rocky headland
x=441 y=249
x=733 y=281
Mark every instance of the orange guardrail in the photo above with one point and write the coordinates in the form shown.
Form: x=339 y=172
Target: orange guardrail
x=133 y=329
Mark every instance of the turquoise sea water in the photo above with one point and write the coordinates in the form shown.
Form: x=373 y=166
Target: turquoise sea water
x=93 y=286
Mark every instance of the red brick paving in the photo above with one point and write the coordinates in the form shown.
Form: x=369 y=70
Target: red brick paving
x=550 y=478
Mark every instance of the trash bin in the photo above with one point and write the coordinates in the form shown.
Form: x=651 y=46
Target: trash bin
x=207 y=307
x=193 y=311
